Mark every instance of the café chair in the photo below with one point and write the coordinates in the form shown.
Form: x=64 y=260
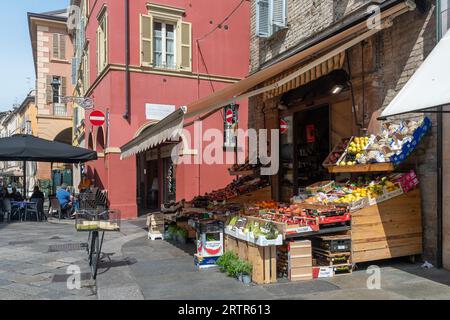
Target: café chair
x=55 y=206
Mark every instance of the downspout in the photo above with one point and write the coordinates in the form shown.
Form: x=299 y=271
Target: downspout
x=439 y=154
x=126 y=115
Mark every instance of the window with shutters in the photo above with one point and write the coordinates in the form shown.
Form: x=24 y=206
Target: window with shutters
x=271 y=17
x=166 y=40
x=102 y=43
x=59 y=46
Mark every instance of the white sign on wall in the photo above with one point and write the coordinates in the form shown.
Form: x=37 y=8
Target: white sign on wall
x=158 y=111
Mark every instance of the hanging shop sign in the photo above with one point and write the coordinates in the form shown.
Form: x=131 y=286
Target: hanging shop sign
x=230 y=125
x=97 y=118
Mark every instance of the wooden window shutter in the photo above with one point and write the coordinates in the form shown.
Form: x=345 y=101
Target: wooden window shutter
x=263 y=18
x=63 y=86
x=98 y=50
x=146 y=40
x=105 y=41
x=62 y=47
x=56 y=45
x=49 y=89
x=279 y=13
x=185 y=47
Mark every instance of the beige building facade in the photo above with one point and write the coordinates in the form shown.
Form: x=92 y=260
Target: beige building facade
x=52 y=52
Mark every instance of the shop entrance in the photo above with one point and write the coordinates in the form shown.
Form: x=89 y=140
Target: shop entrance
x=311 y=145
x=304 y=146
x=152 y=198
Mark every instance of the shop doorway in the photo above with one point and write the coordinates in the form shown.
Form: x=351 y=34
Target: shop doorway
x=304 y=147
x=152 y=197
x=311 y=145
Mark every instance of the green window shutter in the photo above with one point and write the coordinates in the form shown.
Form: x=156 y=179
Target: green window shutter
x=56 y=46
x=185 y=62
x=62 y=47
x=49 y=90
x=146 y=40
x=64 y=86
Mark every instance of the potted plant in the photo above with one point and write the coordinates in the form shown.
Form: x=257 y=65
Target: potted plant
x=246 y=270
x=225 y=260
x=172 y=232
x=182 y=235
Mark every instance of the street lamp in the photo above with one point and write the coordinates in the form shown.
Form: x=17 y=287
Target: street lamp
x=85 y=103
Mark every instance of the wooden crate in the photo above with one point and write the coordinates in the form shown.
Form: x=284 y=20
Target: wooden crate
x=264 y=194
x=374 y=167
x=390 y=229
x=300 y=260
x=263 y=259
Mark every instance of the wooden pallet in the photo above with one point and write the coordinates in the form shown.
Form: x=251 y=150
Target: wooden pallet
x=326 y=259
x=263 y=259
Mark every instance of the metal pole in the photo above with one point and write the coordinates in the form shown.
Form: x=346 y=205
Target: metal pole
x=439 y=155
x=25 y=180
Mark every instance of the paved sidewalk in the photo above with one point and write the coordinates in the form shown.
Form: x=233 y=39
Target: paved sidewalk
x=166 y=271
x=34 y=258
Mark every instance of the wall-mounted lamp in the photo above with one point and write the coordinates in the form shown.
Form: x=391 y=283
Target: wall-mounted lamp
x=337 y=89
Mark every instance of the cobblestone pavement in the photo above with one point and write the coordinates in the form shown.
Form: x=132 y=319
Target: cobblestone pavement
x=34 y=258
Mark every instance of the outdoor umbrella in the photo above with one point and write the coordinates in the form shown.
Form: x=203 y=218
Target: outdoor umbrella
x=29 y=148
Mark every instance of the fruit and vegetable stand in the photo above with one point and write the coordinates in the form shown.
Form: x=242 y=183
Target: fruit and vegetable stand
x=370 y=210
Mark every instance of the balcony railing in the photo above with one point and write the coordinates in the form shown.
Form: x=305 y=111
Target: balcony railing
x=60 y=109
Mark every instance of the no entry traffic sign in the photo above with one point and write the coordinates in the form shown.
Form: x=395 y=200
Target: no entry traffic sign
x=283 y=126
x=97 y=118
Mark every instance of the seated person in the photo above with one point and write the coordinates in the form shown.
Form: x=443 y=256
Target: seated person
x=64 y=198
x=84 y=185
x=15 y=195
x=37 y=194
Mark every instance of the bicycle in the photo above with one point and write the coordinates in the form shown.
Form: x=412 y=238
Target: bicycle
x=96 y=223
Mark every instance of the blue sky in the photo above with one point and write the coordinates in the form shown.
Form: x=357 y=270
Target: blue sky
x=16 y=59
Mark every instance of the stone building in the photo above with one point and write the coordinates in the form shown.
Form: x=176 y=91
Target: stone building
x=377 y=68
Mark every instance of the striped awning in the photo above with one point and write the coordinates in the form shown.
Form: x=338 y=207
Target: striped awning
x=167 y=129
x=332 y=64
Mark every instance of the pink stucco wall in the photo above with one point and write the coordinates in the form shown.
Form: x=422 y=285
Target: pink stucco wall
x=225 y=53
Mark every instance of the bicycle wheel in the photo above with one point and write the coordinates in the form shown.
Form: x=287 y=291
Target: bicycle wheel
x=95 y=254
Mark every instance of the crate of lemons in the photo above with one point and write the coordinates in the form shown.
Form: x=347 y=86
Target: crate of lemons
x=376 y=192
x=355 y=151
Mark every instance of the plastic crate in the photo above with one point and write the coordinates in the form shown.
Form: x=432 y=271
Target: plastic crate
x=210 y=227
x=409 y=147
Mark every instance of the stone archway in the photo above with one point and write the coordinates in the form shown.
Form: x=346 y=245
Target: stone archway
x=65 y=136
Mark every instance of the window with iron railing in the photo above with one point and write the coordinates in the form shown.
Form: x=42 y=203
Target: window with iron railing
x=60 y=109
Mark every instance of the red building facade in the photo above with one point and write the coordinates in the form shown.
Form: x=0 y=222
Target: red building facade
x=142 y=58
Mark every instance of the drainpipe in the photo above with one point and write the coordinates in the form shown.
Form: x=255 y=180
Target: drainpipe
x=439 y=154
x=126 y=115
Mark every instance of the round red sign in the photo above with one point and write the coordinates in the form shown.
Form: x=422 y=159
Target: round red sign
x=229 y=116
x=97 y=118
x=283 y=126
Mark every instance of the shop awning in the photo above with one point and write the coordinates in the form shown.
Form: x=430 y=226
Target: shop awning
x=167 y=129
x=429 y=87
x=334 y=63
x=308 y=59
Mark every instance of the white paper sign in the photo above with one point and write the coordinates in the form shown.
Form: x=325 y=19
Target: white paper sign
x=158 y=111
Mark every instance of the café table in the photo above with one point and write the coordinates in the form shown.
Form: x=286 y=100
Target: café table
x=20 y=208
